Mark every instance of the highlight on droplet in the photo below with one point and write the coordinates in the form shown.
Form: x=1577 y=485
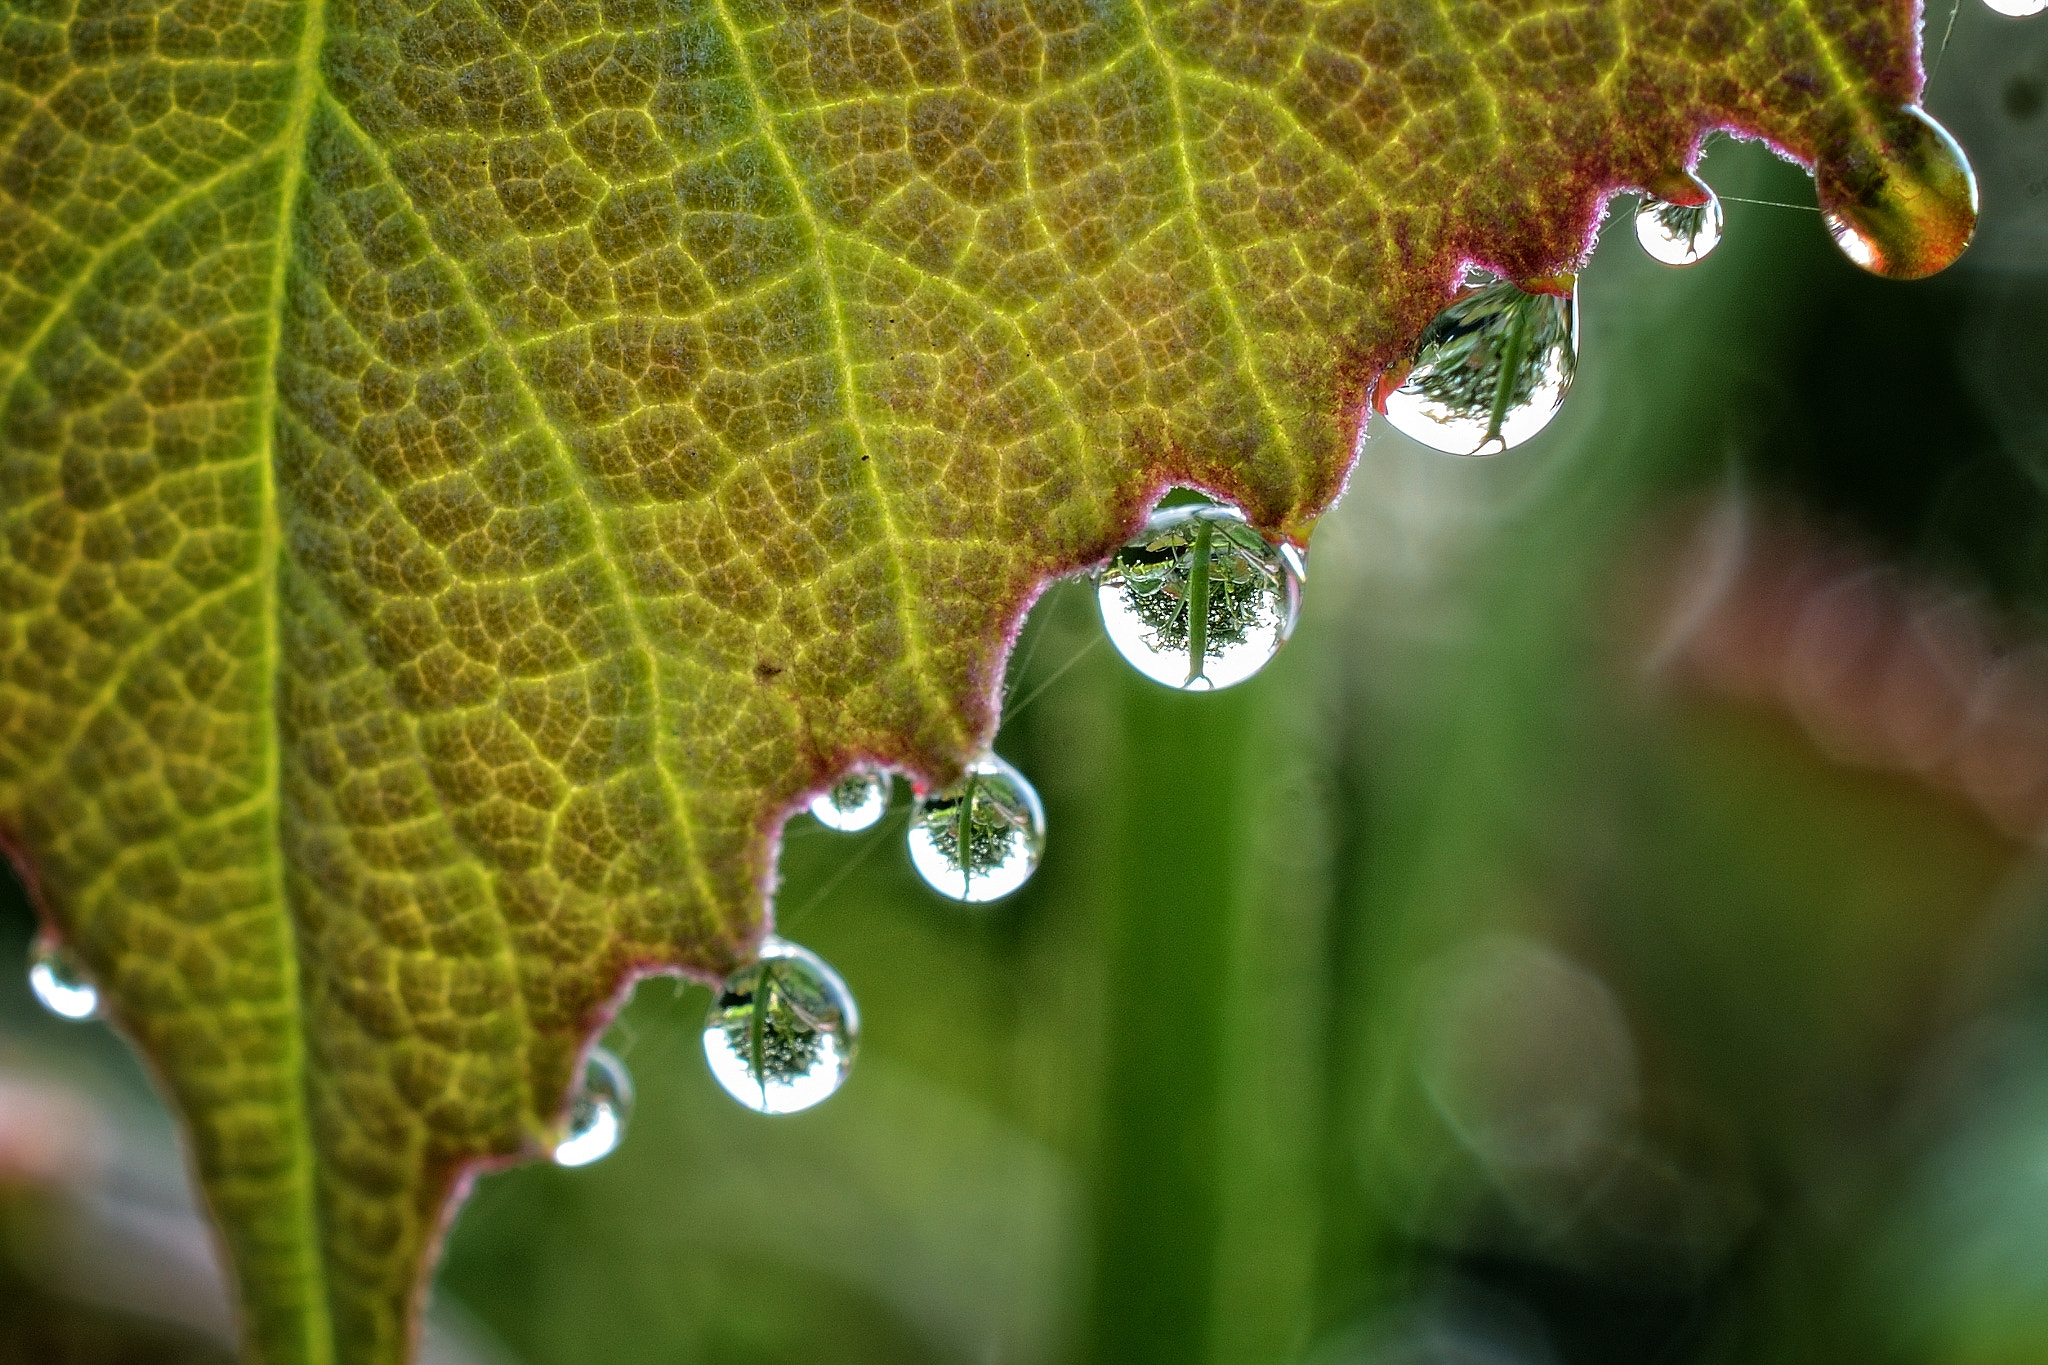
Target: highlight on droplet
x=598 y=1114
x=60 y=982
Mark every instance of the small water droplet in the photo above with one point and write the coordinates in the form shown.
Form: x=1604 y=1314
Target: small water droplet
x=598 y=1114
x=1490 y=371
x=981 y=838
x=854 y=804
x=1200 y=600
x=1680 y=222
x=783 y=1031
x=2017 y=9
x=1903 y=202
x=60 y=982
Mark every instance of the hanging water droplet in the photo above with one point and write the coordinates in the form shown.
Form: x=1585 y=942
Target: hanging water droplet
x=854 y=804
x=1680 y=220
x=2017 y=9
x=1200 y=600
x=1490 y=371
x=598 y=1114
x=60 y=982
x=1903 y=202
x=981 y=838
x=782 y=1033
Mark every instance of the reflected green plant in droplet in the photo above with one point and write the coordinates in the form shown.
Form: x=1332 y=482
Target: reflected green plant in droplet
x=971 y=832
x=1490 y=370
x=781 y=1034
x=854 y=804
x=1487 y=353
x=981 y=838
x=776 y=1031
x=1679 y=234
x=1198 y=599
x=1199 y=586
x=597 y=1112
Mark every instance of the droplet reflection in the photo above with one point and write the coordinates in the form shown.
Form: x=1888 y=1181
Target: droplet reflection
x=783 y=1030
x=1683 y=228
x=2017 y=9
x=60 y=982
x=1490 y=371
x=854 y=804
x=598 y=1114
x=1200 y=600
x=981 y=838
x=1903 y=202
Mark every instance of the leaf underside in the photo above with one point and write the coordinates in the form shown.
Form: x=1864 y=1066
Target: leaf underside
x=469 y=466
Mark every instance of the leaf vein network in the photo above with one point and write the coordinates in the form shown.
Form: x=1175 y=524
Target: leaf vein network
x=893 y=539
x=1233 y=318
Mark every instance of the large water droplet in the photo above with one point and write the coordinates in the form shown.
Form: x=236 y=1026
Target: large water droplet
x=1903 y=202
x=782 y=1033
x=1200 y=600
x=60 y=982
x=2017 y=9
x=1490 y=371
x=981 y=838
x=1680 y=220
x=854 y=804
x=598 y=1114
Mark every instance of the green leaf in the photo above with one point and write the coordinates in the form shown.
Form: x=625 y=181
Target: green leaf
x=468 y=468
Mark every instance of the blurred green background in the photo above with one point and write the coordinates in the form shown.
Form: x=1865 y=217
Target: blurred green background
x=1506 y=975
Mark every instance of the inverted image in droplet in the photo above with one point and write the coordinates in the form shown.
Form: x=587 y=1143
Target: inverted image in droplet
x=1683 y=228
x=854 y=804
x=782 y=1031
x=2017 y=9
x=1490 y=371
x=1200 y=600
x=60 y=982
x=1902 y=201
x=598 y=1114
x=981 y=838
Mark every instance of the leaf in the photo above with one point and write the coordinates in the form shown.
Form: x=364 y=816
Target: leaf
x=468 y=468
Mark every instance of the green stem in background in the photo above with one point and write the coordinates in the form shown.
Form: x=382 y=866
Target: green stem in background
x=1170 y=909
x=1198 y=601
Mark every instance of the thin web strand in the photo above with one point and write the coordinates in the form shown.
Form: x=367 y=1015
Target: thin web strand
x=846 y=869
x=1946 y=34
x=1058 y=673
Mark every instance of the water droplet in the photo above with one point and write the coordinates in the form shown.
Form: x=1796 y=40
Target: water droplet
x=60 y=982
x=1679 y=221
x=782 y=1033
x=1490 y=371
x=1903 y=202
x=1200 y=600
x=598 y=1114
x=2017 y=9
x=981 y=838
x=854 y=804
